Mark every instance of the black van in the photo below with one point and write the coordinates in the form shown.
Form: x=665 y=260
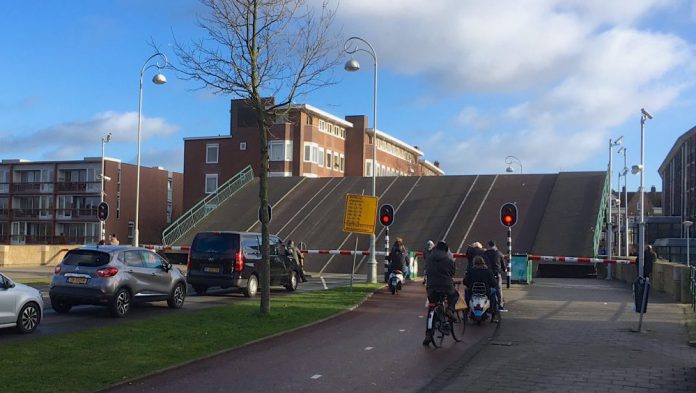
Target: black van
x=230 y=259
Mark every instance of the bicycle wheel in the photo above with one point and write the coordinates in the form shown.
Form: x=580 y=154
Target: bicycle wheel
x=453 y=328
x=465 y=319
x=439 y=328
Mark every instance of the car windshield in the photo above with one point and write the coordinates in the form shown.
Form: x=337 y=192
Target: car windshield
x=86 y=258
x=225 y=244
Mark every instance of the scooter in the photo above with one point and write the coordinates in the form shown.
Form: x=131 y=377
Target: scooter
x=396 y=279
x=479 y=303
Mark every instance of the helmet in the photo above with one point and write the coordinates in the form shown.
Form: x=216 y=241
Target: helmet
x=429 y=245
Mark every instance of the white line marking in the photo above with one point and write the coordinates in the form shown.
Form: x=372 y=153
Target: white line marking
x=369 y=348
x=324 y=282
x=316 y=376
x=421 y=316
x=402 y=330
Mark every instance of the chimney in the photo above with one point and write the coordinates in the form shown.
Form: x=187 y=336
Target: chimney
x=653 y=189
x=436 y=163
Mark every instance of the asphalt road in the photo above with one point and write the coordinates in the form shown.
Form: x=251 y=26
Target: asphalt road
x=87 y=317
x=375 y=348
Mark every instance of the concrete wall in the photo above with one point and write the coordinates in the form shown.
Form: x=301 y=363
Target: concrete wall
x=667 y=277
x=34 y=255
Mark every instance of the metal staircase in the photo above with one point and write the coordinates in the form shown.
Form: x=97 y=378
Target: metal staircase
x=206 y=206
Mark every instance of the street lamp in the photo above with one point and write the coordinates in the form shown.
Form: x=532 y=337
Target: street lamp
x=509 y=160
x=644 y=115
x=104 y=141
x=610 y=228
x=353 y=65
x=688 y=224
x=623 y=150
x=158 y=79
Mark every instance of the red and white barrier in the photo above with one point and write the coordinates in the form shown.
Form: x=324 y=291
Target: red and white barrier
x=579 y=260
x=166 y=248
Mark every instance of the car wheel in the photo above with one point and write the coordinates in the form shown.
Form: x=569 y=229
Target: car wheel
x=176 y=300
x=121 y=304
x=60 y=306
x=252 y=286
x=29 y=318
x=200 y=289
x=292 y=284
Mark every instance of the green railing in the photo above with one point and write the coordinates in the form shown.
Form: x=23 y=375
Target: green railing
x=692 y=287
x=205 y=206
x=601 y=217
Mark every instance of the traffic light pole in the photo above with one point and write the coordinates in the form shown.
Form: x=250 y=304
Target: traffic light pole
x=509 y=262
x=386 y=255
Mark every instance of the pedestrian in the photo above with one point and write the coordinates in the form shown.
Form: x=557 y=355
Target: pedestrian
x=426 y=253
x=496 y=262
x=296 y=254
x=474 y=250
x=649 y=258
x=113 y=240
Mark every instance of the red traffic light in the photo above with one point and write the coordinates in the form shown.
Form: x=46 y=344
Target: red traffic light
x=508 y=214
x=102 y=211
x=386 y=215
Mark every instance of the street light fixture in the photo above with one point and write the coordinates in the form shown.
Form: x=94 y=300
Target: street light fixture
x=353 y=65
x=687 y=224
x=509 y=160
x=158 y=79
x=610 y=227
x=103 y=177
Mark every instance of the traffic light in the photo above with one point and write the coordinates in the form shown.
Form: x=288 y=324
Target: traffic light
x=508 y=214
x=103 y=211
x=386 y=215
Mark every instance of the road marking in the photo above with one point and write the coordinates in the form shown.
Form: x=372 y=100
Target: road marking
x=421 y=316
x=316 y=376
x=402 y=330
x=324 y=282
x=369 y=348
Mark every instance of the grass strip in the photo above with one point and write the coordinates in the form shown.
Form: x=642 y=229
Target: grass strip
x=93 y=359
x=34 y=280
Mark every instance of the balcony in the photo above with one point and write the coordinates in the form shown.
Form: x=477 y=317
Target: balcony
x=32 y=187
x=4 y=213
x=31 y=214
x=91 y=187
x=84 y=214
x=48 y=239
x=4 y=188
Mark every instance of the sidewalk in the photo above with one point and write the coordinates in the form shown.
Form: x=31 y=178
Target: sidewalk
x=575 y=335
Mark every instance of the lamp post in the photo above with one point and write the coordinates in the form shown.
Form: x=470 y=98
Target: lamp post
x=610 y=229
x=687 y=224
x=644 y=115
x=353 y=65
x=622 y=150
x=158 y=79
x=102 y=229
x=509 y=160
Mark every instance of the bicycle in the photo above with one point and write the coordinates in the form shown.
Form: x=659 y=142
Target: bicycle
x=439 y=324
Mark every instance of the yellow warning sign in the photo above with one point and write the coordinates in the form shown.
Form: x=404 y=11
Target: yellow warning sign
x=359 y=215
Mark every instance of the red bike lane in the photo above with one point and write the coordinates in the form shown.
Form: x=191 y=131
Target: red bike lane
x=375 y=347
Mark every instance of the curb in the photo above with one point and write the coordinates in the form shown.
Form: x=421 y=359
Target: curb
x=129 y=381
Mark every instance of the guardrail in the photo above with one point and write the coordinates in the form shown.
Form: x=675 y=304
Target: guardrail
x=206 y=206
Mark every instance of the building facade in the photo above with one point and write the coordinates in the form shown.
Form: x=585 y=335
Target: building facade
x=55 y=202
x=678 y=173
x=303 y=141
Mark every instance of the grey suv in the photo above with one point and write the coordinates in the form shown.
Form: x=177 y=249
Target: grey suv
x=230 y=260
x=116 y=277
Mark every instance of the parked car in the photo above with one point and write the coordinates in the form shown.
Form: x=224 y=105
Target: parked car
x=21 y=306
x=231 y=260
x=116 y=277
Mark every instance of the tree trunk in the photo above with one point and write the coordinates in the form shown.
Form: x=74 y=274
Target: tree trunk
x=265 y=276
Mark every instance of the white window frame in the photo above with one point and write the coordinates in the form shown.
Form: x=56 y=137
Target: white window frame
x=205 y=185
x=310 y=149
x=288 y=150
x=242 y=145
x=322 y=125
x=320 y=156
x=329 y=159
x=368 y=167
x=336 y=162
x=343 y=162
x=208 y=158
x=276 y=151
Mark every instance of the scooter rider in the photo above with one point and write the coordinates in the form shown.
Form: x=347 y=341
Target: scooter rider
x=496 y=262
x=397 y=257
x=440 y=269
x=481 y=273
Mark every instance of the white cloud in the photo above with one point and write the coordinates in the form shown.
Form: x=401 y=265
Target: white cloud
x=67 y=140
x=572 y=69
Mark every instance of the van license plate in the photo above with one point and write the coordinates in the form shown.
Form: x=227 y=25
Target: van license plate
x=211 y=269
x=77 y=280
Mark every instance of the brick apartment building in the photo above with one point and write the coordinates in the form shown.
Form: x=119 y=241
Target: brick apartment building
x=55 y=202
x=303 y=141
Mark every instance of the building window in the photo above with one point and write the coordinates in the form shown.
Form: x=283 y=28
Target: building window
x=328 y=159
x=211 y=183
x=322 y=125
x=288 y=150
x=320 y=156
x=131 y=231
x=343 y=163
x=336 y=162
x=211 y=153
x=276 y=150
x=368 y=167
x=311 y=152
x=242 y=145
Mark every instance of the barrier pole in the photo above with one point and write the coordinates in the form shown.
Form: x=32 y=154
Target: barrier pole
x=646 y=287
x=509 y=262
x=352 y=271
x=386 y=255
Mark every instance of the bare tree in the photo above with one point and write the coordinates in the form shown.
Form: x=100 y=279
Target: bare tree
x=255 y=49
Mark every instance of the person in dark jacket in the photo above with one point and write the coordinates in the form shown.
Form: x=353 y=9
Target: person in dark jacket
x=649 y=258
x=429 y=246
x=474 y=250
x=296 y=254
x=397 y=257
x=440 y=271
x=481 y=273
x=496 y=263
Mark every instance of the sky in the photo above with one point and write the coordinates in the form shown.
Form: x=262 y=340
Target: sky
x=549 y=82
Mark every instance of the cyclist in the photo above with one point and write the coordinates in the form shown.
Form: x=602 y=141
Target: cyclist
x=481 y=273
x=440 y=269
x=496 y=262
